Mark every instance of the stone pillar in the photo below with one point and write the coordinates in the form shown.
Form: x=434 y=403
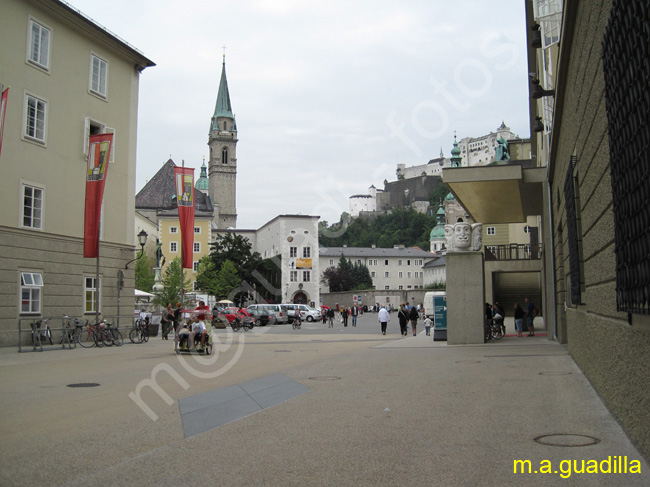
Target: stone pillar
x=157 y=280
x=465 y=298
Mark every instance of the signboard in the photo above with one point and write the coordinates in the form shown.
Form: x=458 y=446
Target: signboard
x=440 y=312
x=303 y=263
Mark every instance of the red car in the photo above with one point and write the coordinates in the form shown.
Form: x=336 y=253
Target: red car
x=230 y=313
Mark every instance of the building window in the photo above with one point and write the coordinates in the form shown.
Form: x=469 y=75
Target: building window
x=32 y=207
x=408 y=275
x=306 y=276
x=293 y=251
x=358 y=261
x=331 y=261
x=293 y=276
x=408 y=262
x=197 y=229
x=373 y=274
x=195 y=266
x=224 y=155
x=92 y=127
x=98 y=75
x=399 y=262
x=195 y=286
x=386 y=262
x=173 y=247
x=30 y=292
x=386 y=288
x=386 y=274
x=491 y=230
x=399 y=274
x=416 y=274
x=90 y=294
x=400 y=287
x=197 y=247
x=526 y=229
x=408 y=286
x=306 y=252
x=173 y=229
x=35 y=113
x=39 y=45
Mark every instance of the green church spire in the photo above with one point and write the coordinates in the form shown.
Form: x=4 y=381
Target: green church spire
x=223 y=109
x=455 y=154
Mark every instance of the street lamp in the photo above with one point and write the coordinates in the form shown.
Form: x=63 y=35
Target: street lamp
x=142 y=239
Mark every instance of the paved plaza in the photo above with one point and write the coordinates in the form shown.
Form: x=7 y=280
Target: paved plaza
x=316 y=406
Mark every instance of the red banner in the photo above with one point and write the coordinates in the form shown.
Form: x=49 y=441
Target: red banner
x=3 y=109
x=99 y=153
x=185 y=199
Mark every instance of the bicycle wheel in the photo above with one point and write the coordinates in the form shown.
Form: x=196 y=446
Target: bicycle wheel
x=48 y=331
x=248 y=325
x=85 y=338
x=117 y=337
x=134 y=336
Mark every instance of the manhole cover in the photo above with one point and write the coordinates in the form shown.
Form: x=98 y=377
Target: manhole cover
x=325 y=377
x=555 y=373
x=84 y=384
x=567 y=440
x=468 y=361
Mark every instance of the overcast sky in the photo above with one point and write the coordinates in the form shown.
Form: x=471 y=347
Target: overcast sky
x=328 y=96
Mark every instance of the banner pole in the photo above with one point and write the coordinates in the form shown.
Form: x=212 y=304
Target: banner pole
x=99 y=226
x=182 y=255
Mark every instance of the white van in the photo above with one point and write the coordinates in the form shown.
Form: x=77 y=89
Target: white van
x=306 y=312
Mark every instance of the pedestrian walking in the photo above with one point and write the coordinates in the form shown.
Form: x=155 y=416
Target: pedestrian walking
x=383 y=317
x=354 y=312
x=403 y=318
x=344 y=315
x=166 y=321
x=330 y=318
x=427 y=325
x=414 y=315
x=519 y=319
x=530 y=316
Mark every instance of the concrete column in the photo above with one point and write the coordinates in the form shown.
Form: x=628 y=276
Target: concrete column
x=465 y=298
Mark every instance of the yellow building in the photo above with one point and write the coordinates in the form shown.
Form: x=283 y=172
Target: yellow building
x=68 y=78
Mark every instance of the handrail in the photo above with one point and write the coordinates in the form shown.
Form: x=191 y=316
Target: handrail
x=513 y=252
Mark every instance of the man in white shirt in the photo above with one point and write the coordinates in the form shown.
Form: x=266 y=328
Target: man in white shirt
x=198 y=328
x=383 y=318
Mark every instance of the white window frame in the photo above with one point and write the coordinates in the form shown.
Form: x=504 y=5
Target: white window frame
x=173 y=229
x=173 y=247
x=386 y=288
x=373 y=274
x=99 y=86
x=24 y=185
x=526 y=229
x=408 y=275
x=386 y=274
x=197 y=230
x=331 y=261
x=306 y=252
x=306 y=276
x=100 y=128
x=197 y=247
x=92 y=290
x=293 y=276
x=400 y=274
x=32 y=283
x=491 y=231
x=293 y=251
x=32 y=131
x=195 y=265
x=40 y=58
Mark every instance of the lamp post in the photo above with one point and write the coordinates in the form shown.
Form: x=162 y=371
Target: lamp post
x=142 y=240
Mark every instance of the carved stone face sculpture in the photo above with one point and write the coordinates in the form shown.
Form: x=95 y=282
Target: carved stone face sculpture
x=462 y=234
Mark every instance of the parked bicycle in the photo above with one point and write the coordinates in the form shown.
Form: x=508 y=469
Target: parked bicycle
x=140 y=331
x=494 y=330
x=41 y=332
x=105 y=334
x=70 y=330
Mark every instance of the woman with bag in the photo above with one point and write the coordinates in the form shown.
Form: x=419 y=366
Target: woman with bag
x=403 y=318
x=414 y=315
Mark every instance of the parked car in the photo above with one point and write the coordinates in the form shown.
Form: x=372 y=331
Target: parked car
x=263 y=316
x=280 y=312
x=230 y=313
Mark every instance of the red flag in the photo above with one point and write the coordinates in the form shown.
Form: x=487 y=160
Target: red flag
x=185 y=199
x=99 y=153
x=3 y=110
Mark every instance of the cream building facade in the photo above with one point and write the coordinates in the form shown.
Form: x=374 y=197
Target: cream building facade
x=68 y=78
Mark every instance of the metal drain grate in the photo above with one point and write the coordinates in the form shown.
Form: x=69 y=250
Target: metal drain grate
x=566 y=440
x=84 y=384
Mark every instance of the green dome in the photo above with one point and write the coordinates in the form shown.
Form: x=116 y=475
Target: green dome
x=450 y=197
x=437 y=232
x=441 y=211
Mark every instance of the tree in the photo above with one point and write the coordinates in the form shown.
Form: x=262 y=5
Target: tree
x=206 y=276
x=238 y=250
x=144 y=275
x=171 y=282
x=347 y=276
x=361 y=277
x=227 y=280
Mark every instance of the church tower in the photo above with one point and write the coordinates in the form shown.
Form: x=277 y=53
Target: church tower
x=222 y=141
